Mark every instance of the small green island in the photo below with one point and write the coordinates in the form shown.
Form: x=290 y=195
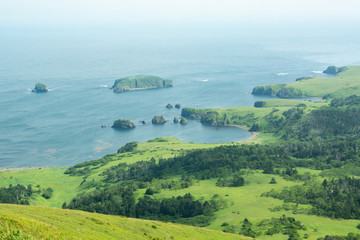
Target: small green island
x=40 y=88
x=140 y=82
x=123 y=124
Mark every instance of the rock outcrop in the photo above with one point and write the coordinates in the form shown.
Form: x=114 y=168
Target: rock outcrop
x=176 y=120
x=158 y=120
x=183 y=120
x=334 y=70
x=123 y=124
x=40 y=88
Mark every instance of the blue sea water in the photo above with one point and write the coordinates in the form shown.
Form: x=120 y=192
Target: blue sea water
x=63 y=127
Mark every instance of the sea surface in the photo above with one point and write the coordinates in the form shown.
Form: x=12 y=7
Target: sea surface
x=63 y=126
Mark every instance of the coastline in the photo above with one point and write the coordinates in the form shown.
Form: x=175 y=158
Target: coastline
x=249 y=139
x=17 y=169
x=253 y=134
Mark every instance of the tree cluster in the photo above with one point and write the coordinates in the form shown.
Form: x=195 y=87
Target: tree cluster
x=18 y=194
x=121 y=201
x=338 y=198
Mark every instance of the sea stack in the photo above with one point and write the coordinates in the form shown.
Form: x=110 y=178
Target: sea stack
x=40 y=88
x=123 y=124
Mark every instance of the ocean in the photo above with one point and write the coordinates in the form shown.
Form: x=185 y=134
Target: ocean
x=209 y=69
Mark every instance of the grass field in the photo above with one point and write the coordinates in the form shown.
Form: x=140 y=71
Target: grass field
x=246 y=202
x=53 y=223
x=66 y=187
x=241 y=202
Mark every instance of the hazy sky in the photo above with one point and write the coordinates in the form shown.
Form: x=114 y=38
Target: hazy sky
x=45 y=12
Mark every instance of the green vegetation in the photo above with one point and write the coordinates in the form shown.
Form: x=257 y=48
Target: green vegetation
x=28 y=222
x=123 y=124
x=129 y=147
x=345 y=83
x=139 y=82
x=121 y=201
x=274 y=103
x=47 y=193
x=238 y=202
x=336 y=198
x=40 y=88
x=16 y=194
x=65 y=187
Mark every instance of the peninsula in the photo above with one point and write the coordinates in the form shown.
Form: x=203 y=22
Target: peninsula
x=343 y=83
x=140 y=82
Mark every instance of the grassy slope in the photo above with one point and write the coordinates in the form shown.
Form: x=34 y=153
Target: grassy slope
x=66 y=187
x=341 y=85
x=52 y=223
x=243 y=202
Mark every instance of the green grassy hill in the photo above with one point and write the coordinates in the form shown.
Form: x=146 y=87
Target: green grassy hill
x=240 y=203
x=256 y=119
x=66 y=186
x=343 y=84
x=28 y=222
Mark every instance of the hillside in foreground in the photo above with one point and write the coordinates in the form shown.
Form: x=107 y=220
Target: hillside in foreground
x=28 y=222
